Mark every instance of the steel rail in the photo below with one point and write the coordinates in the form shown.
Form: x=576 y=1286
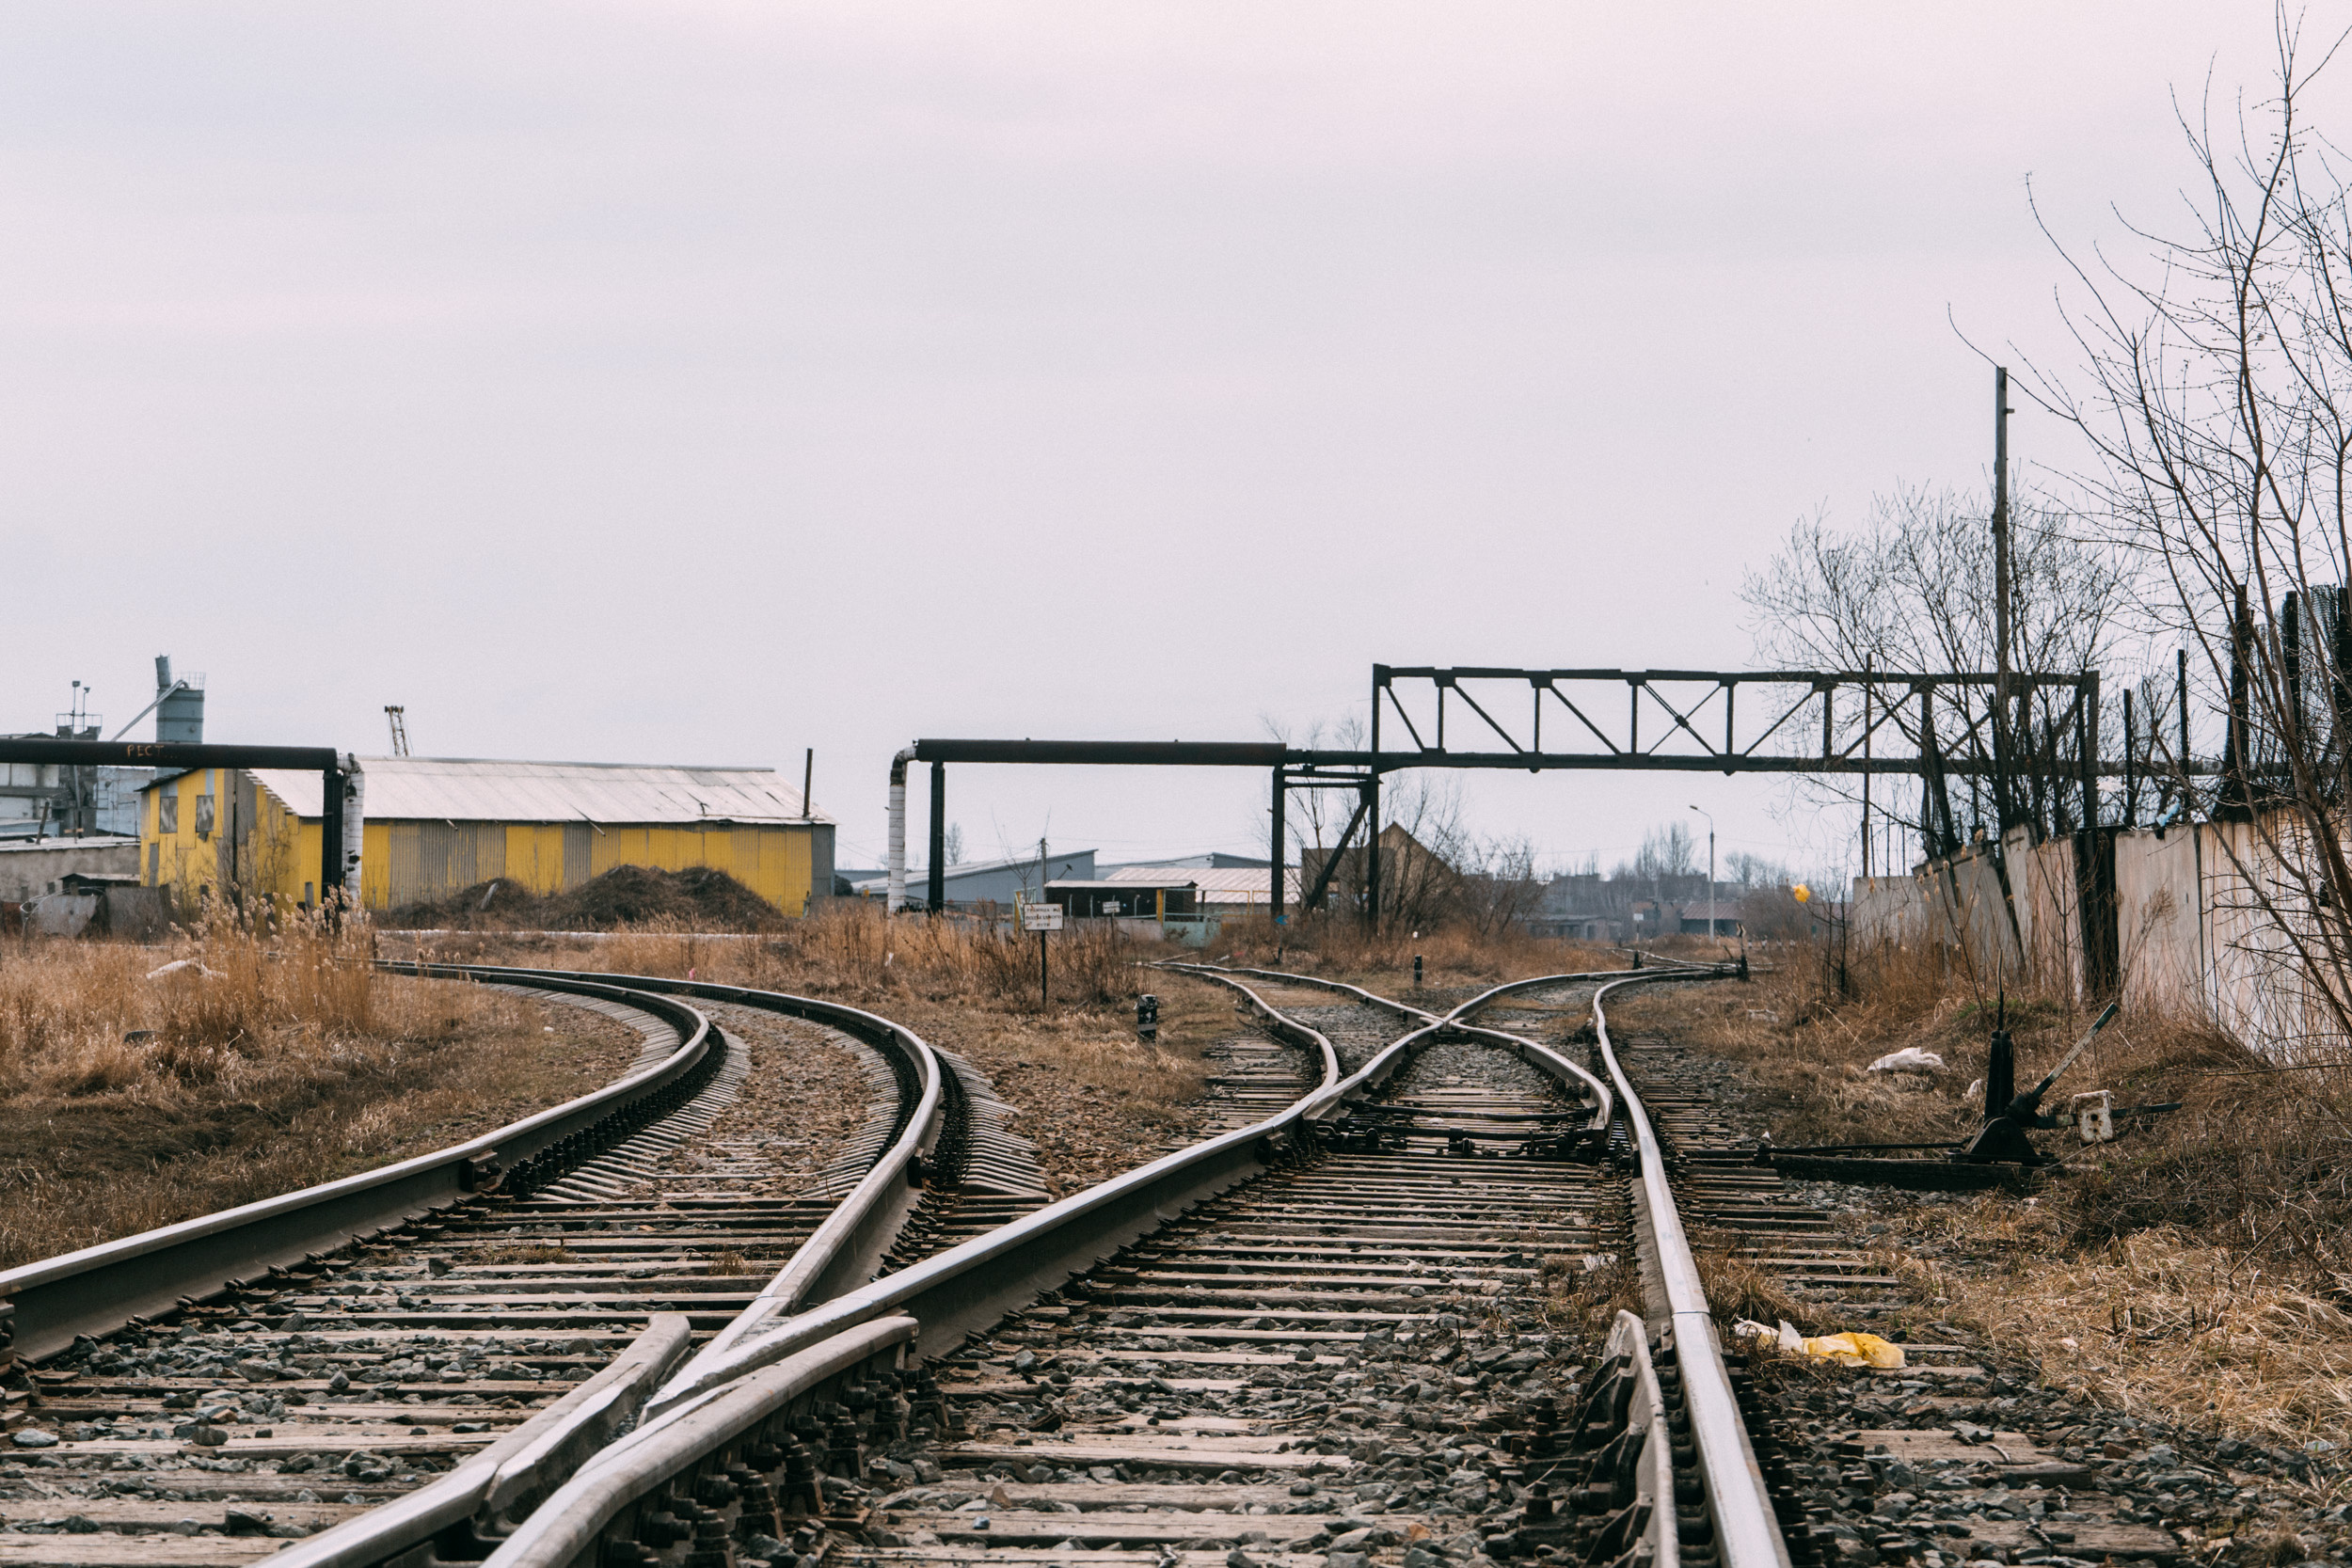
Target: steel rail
x=496 y=1487
x=1747 y=1531
x=850 y=1244
x=501 y=1489
x=717 y=1405
x=1370 y=999
x=1535 y=1052
x=504 y=1481
x=100 y=1289
x=722 y=1403
x=1277 y=1023
x=567 y=1528
x=974 y=1283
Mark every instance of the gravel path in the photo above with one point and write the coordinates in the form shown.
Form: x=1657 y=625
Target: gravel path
x=1355 y=1031
x=805 y=1095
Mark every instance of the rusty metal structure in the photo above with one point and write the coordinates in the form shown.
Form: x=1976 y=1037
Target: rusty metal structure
x=2040 y=765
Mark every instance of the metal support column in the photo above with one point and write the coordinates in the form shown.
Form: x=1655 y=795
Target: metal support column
x=938 y=837
x=2088 y=753
x=2238 y=790
x=1372 y=803
x=332 y=781
x=1274 y=857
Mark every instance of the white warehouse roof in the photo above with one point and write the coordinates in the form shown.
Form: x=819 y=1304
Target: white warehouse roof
x=471 y=789
x=1223 y=884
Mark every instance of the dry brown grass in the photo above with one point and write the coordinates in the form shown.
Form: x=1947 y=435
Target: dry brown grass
x=128 y=1103
x=2160 y=1322
x=1737 y=1289
x=1095 y=1099
x=1453 y=956
x=850 y=953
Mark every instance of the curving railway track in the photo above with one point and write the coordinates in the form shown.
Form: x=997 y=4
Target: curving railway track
x=1332 y=1332
x=506 y=1331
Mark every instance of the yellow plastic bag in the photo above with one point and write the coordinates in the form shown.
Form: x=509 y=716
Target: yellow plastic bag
x=1856 y=1350
x=1848 y=1350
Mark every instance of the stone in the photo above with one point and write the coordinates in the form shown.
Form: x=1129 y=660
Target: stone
x=33 y=1437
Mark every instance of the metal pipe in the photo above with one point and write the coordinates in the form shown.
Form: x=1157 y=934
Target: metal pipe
x=355 y=831
x=171 y=690
x=897 y=896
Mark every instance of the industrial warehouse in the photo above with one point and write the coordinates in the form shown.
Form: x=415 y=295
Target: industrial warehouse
x=435 y=825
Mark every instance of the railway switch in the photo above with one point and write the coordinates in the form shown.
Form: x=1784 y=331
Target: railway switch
x=2003 y=1138
x=1148 y=1017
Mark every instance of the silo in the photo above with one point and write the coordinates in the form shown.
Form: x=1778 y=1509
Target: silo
x=179 y=715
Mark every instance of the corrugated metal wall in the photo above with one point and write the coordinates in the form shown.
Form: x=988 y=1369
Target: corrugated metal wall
x=432 y=860
x=259 y=843
x=409 y=863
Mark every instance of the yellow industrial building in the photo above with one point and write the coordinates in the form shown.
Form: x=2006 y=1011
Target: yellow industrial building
x=436 y=825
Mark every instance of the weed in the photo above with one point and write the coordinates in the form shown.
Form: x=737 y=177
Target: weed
x=133 y=1094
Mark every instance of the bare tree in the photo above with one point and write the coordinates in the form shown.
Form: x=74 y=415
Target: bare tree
x=1499 y=886
x=1423 y=848
x=1667 y=851
x=1912 y=589
x=2215 y=391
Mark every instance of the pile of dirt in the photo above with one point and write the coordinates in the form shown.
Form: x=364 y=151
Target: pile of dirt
x=697 y=897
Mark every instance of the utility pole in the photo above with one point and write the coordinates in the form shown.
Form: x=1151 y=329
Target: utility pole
x=2001 y=634
x=1866 y=768
x=1711 y=874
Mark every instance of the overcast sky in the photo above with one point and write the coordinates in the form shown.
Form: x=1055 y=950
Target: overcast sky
x=700 y=382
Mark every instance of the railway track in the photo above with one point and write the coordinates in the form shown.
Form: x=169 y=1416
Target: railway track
x=437 y=1374
x=1320 y=1339
x=1927 y=1457
x=1328 y=1333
